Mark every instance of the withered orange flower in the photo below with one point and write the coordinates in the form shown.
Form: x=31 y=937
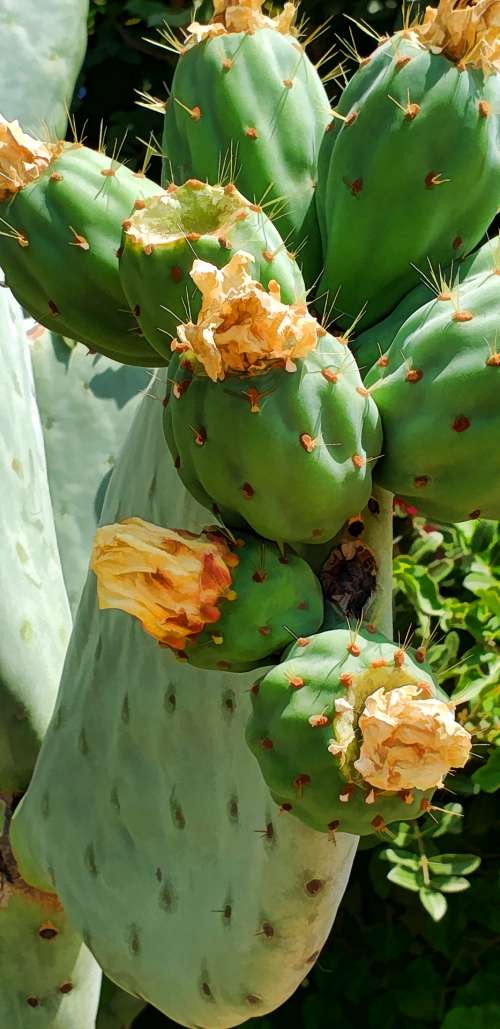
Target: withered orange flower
x=170 y=580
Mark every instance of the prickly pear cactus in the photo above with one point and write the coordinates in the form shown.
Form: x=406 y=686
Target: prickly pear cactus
x=372 y=344
x=246 y=98
x=63 y=205
x=49 y=978
x=292 y=469
x=352 y=733
x=164 y=796
x=442 y=371
x=218 y=601
x=412 y=172
x=86 y=404
x=41 y=49
x=195 y=220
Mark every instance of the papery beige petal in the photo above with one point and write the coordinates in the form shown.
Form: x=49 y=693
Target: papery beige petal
x=467 y=33
x=409 y=741
x=22 y=158
x=245 y=16
x=241 y=328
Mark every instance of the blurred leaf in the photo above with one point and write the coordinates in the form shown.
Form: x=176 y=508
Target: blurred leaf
x=488 y=776
x=455 y=884
x=454 y=864
x=421 y=996
x=434 y=903
x=404 y=877
x=404 y=858
x=485 y=1017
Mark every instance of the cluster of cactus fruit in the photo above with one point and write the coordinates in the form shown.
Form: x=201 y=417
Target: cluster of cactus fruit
x=307 y=372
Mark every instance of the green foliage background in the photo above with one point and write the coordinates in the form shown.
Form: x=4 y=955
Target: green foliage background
x=416 y=943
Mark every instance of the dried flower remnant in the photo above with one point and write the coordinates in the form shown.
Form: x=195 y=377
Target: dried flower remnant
x=241 y=328
x=409 y=740
x=22 y=158
x=241 y=16
x=171 y=581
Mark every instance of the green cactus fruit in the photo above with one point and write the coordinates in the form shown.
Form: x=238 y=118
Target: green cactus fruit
x=86 y=404
x=41 y=50
x=49 y=979
x=246 y=99
x=217 y=602
x=169 y=854
x=438 y=399
x=372 y=344
x=296 y=461
x=34 y=615
x=195 y=220
x=351 y=733
x=62 y=211
x=414 y=167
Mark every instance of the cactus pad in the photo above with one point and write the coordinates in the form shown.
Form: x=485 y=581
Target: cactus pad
x=169 y=855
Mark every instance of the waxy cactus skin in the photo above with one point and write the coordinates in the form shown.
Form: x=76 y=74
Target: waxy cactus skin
x=438 y=400
x=59 y=252
x=412 y=159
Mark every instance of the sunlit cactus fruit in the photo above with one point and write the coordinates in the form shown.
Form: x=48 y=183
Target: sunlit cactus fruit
x=216 y=602
x=266 y=416
x=246 y=98
x=414 y=167
x=438 y=397
x=62 y=206
x=167 y=232
x=352 y=733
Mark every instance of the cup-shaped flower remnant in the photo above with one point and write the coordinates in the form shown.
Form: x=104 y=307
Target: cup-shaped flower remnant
x=171 y=581
x=242 y=329
x=242 y=16
x=22 y=158
x=465 y=32
x=409 y=740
